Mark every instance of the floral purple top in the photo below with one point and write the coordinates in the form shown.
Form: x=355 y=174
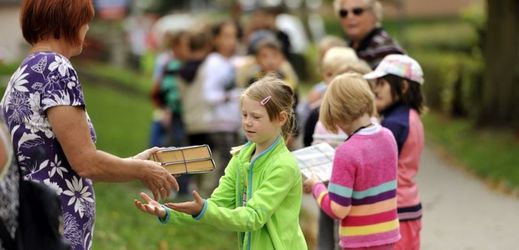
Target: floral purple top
x=45 y=80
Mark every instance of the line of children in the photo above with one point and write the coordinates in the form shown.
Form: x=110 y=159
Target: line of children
x=362 y=189
x=399 y=100
x=260 y=194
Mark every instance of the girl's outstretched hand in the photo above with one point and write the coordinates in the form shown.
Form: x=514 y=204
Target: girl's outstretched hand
x=193 y=207
x=308 y=184
x=151 y=206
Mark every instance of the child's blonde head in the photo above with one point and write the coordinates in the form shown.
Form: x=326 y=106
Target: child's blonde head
x=360 y=67
x=347 y=98
x=327 y=43
x=277 y=97
x=338 y=57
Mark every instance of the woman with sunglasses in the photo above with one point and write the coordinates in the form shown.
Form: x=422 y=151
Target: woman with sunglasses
x=361 y=21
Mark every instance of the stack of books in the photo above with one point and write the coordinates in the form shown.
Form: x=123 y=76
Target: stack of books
x=185 y=160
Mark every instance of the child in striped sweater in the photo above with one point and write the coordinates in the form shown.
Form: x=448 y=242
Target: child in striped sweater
x=362 y=189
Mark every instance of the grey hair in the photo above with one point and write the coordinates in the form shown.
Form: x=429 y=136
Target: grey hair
x=375 y=5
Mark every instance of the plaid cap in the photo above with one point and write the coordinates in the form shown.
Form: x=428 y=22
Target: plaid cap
x=398 y=65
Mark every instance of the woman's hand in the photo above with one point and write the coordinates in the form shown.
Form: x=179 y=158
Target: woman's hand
x=193 y=207
x=151 y=206
x=308 y=184
x=157 y=179
x=146 y=154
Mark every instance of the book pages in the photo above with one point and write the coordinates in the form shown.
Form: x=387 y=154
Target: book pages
x=316 y=160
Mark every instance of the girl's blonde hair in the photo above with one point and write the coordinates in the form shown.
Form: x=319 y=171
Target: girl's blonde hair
x=347 y=98
x=277 y=97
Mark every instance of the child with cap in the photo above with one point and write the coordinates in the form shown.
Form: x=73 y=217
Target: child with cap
x=400 y=101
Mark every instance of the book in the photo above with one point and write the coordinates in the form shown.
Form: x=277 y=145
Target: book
x=316 y=160
x=185 y=160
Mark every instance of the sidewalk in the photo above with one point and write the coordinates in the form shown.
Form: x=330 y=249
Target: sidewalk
x=461 y=212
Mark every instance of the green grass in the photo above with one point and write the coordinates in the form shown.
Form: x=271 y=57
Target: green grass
x=489 y=153
x=122 y=125
x=125 y=79
x=6 y=70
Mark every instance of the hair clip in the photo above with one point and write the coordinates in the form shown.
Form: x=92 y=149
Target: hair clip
x=265 y=100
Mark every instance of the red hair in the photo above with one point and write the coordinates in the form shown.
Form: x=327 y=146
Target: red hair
x=59 y=19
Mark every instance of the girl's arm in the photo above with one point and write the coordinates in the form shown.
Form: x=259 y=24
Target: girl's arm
x=336 y=199
x=335 y=207
x=223 y=196
x=258 y=210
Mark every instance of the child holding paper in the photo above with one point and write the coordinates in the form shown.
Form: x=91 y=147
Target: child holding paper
x=260 y=194
x=362 y=189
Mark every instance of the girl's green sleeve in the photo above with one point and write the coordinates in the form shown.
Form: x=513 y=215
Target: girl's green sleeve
x=264 y=202
x=223 y=196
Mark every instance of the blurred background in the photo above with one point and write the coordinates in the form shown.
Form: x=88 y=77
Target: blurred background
x=469 y=50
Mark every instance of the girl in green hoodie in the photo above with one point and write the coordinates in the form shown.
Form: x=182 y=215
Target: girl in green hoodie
x=260 y=194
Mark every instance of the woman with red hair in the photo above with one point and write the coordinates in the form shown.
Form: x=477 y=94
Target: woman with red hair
x=53 y=137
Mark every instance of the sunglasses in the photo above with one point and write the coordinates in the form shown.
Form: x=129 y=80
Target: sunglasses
x=343 y=13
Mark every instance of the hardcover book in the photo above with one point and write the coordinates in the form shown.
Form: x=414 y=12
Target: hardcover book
x=185 y=160
x=316 y=160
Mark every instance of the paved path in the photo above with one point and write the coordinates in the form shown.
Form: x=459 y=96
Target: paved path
x=460 y=211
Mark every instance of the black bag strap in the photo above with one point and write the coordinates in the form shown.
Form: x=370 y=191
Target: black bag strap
x=7 y=241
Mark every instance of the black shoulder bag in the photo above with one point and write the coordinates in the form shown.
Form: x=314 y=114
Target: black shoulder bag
x=38 y=220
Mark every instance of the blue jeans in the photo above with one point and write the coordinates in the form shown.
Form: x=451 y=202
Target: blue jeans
x=157 y=134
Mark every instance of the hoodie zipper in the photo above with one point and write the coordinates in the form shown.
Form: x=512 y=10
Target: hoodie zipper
x=249 y=184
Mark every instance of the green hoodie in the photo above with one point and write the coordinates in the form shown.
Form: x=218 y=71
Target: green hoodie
x=269 y=219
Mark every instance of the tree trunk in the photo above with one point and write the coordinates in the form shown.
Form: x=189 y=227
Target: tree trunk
x=499 y=105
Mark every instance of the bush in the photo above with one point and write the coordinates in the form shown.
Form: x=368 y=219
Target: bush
x=453 y=82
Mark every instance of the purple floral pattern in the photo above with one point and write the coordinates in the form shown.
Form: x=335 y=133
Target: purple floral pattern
x=45 y=80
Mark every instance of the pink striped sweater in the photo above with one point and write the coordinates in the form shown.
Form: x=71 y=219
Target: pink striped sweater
x=362 y=189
